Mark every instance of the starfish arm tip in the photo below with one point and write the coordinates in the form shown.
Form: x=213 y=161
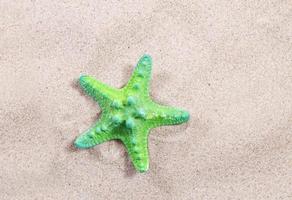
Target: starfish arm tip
x=141 y=75
x=83 y=80
x=181 y=117
x=147 y=56
x=185 y=116
x=87 y=140
x=146 y=61
x=142 y=169
x=83 y=142
x=140 y=162
x=82 y=77
x=169 y=116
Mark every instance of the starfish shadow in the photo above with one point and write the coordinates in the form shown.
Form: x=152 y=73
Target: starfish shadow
x=128 y=167
x=127 y=72
x=114 y=153
x=171 y=134
x=77 y=87
x=71 y=148
x=158 y=82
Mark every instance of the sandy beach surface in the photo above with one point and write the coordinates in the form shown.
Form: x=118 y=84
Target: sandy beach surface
x=229 y=63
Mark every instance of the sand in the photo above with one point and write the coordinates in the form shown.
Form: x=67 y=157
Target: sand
x=227 y=62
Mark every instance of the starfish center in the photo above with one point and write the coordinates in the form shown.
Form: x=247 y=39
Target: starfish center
x=128 y=113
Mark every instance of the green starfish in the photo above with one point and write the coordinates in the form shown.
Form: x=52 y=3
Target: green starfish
x=128 y=114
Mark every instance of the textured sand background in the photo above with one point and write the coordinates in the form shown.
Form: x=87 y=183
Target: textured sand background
x=228 y=62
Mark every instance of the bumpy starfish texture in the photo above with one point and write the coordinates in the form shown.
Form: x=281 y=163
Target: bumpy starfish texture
x=128 y=114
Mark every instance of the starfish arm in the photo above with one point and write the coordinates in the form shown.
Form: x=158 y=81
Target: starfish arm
x=96 y=135
x=140 y=79
x=165 y=115
x=137 y=148
x=100 y=92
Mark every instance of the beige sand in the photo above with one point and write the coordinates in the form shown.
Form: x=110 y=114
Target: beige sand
x=227 y=62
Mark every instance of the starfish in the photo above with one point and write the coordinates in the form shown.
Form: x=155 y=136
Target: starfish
x=128 y=114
